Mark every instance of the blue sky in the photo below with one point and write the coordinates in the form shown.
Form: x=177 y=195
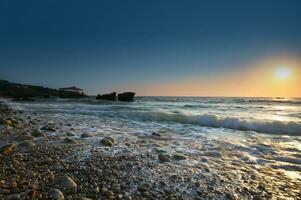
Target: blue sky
x=119 y=44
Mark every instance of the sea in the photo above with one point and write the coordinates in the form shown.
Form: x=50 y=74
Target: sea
x=264 y=132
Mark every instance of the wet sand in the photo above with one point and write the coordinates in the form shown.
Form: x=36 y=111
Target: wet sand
x=38 y=163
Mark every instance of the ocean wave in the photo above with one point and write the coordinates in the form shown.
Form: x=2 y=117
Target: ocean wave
x=210 y=120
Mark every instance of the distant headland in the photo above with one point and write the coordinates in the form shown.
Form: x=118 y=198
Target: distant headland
x=22 y=92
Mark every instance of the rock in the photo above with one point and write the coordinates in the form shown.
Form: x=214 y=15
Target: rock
x=56 y=194
x=13 y=185
x=13 y=197
x=7 y=149
x=164 y=158
x=109 y=97
x=107 y=193
x=215 y=154
x=143 y=187
x=108 y=141
x=179 y=157
x=49 y=127
x=176 y=178
x=126 y=96
x=26 y=146
x=85 y=198
x=67 y=183
x=85 y=135
x=96 y=190
x=7 y=122
x=37 y=133
x=70 y=140
x=156 y=134
x=2 y=182
x=70 y=134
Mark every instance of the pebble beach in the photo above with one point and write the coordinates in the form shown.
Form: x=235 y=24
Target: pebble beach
x=47 y=157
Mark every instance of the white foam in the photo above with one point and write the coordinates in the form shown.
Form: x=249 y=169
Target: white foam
x=208 y=120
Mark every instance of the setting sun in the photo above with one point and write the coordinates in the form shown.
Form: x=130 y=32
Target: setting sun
x=283 y=73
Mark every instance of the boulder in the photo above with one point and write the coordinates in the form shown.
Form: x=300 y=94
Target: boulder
x=109 y=97
x=126 y=96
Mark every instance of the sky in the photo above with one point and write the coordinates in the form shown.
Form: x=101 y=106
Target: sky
x=157 y=47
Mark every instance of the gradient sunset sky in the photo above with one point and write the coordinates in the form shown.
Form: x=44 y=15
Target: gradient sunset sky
x=154 y=47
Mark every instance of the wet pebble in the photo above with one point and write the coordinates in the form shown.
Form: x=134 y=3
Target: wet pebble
x=70 y=140
x=179 y=157
x=6 y=149
x=67 y=183
x=26 y=146
x=37 y=133
x=56 y=194
x=164 y=158
x=108 y=141
x=85 y=135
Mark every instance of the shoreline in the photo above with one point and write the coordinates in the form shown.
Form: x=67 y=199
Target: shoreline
x=40 y=164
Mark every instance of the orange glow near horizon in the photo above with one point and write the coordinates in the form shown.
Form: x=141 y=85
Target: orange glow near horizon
x=270 y=78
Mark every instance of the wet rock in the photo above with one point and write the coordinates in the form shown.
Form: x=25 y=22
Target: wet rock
x=7 y=122
x=96 y=190
x=107 y=193
x=70 y=140
x=85 y=135
x=176 y=178
x=70 y=134
x=26 y=146
x=143 y=187
x=56 y=194
x=49 y=127
x=204 y=159
x=37 y=133
x=7 y=149
x=164 y=158
x=2 y=182
x=155 y=134
x=67 y=183
x=179 y=157
x=108 y=141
